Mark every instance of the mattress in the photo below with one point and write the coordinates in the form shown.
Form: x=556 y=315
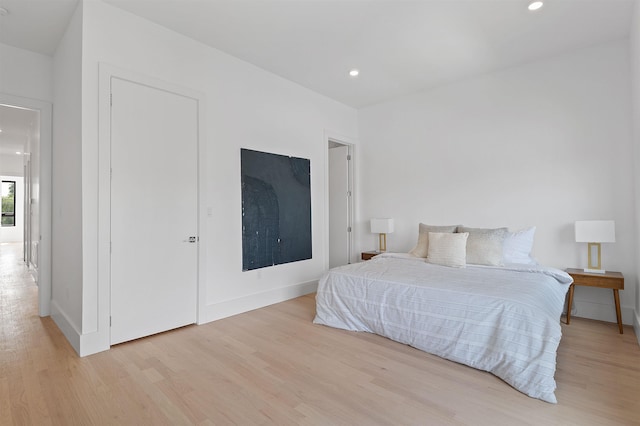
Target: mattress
x=504 y=320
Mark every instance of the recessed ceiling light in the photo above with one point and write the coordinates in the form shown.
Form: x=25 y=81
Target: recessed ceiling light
x=535 y=5
x=3 y=11
x=18 y=152
x=354 y=73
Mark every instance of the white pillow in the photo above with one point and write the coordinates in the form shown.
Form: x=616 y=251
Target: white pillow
x=422 y=248
x=485 y=246
x=448 y=249
x=517 y=247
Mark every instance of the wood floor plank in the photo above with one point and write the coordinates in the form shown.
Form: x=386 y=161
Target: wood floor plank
x=273 y=366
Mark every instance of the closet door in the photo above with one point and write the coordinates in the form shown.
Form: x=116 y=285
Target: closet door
x=154 y=204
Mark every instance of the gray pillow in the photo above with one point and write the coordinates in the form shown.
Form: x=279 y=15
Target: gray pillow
x=485 y=246
x=422 y=248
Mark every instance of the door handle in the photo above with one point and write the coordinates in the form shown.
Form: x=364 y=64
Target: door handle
x=190 y=240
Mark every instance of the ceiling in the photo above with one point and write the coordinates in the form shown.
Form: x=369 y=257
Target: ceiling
x=36 y=25
x=399 y=46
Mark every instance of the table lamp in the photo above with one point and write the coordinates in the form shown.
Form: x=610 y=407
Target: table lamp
x=595 y=232
x=382 y=227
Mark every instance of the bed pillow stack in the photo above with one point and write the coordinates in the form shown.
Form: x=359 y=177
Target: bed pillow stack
x=483 y=246
x=422 y=248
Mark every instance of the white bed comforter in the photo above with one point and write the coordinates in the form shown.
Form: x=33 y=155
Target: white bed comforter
x=502 y=320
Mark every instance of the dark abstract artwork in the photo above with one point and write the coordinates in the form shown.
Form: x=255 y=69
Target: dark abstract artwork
x=276 y=209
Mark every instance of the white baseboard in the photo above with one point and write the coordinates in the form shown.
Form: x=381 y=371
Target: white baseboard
x=87 y=344
x=34 y=272
x=65 y=325
x=602 y=312
x=254 y=301
x=94 y=342
x=636 y=325
x=83 y=344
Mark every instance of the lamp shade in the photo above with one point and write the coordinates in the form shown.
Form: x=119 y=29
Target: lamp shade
x=595 y=231
x=381 y=226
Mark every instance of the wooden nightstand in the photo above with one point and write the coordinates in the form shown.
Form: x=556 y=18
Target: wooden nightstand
x=366 y=255
x=612 y=280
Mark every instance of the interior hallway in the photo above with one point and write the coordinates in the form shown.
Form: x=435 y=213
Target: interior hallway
x=20 y=326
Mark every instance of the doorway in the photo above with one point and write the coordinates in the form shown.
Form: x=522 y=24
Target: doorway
x=25 y=155
x=340 y=202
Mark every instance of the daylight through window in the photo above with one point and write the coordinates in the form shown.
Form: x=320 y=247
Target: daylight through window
x=8 y=203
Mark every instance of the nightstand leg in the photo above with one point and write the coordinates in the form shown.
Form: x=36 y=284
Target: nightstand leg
x=616 y=297
x=570 y=303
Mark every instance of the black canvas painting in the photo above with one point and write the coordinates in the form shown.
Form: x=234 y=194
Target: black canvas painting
x=276 y=209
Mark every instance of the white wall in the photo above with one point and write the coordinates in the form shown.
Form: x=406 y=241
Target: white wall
x=11 y=165
x=542 y=144
x=24 y=73
x=14 y=234
x=67 y=255
x=246 y=107
x=635 y=81
x=33 y=147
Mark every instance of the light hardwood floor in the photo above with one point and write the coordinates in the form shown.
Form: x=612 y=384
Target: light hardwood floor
x=273 y=366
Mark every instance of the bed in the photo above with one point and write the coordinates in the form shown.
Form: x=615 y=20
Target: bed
x=504 y=320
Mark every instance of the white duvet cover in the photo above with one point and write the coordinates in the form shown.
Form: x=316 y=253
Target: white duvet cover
x=502 y=320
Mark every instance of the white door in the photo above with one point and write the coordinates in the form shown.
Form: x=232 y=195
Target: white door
x=339 y=220
x=154 y=204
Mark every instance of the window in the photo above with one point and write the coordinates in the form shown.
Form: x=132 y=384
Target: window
x=8 y=203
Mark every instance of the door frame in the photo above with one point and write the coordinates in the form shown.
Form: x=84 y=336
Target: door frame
x=44 y=259
x=26 y=202
x=351 y=143
x=106 y=74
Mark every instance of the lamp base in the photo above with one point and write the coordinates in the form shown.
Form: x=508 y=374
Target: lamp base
x=595 y=259
x=594 y=271
x=383 y=242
